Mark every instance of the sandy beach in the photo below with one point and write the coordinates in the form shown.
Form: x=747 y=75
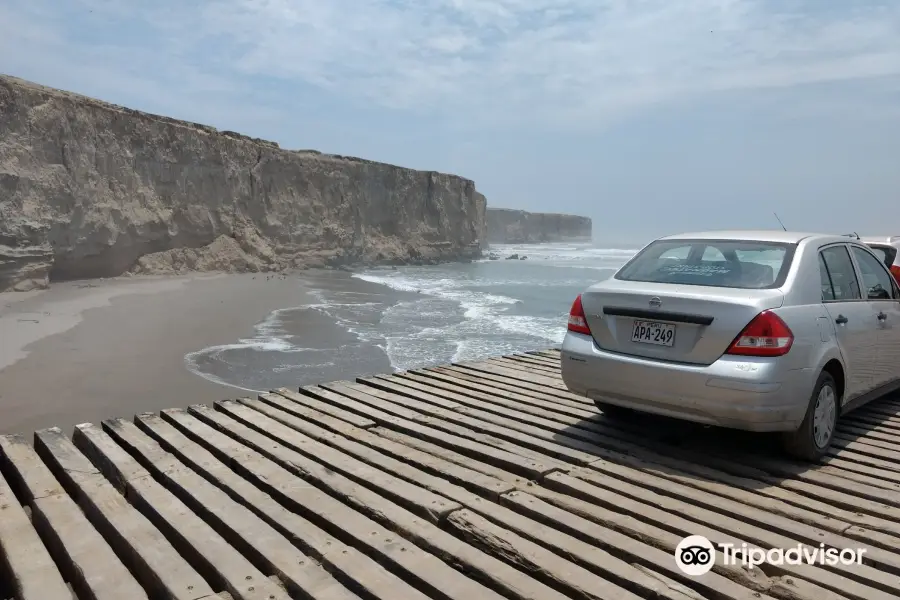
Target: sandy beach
x=90 y=350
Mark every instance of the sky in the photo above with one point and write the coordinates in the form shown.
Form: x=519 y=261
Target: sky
x=650 y=116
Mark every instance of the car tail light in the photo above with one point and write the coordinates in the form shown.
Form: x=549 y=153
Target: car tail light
x=577 y=322
x=896 y=272
x=765 y=335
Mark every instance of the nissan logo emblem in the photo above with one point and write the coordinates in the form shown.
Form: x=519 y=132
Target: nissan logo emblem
x=655 y=302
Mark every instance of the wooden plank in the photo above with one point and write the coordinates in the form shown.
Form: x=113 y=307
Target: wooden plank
x=608 y=566
x=549 y=420
x=434 y=391
x=512 y=392
x=266 y=548
x=450 y=455
x=84 y=557
x=554 y=361
x=838 y=465
x=497 y=403
x=860 y=582
x=545 y=437
x=744 y=515
x=210 y=554
x=890 y=450
x=690 y=460
x=441 y=578
x=32 y=572
x=322 y=427
x=869 y=428
x=674 y=459
x=624 y=574
x=620 y=522
x=449 y=435
x=857 y=430
x=551 y=375
x=576 y=581
x=317 y=407
x=536 y=361
x=889 y=405
x=882 y=538
x=510 y=372
x=823 y=480
x=835 y=494
x=753 y=492
x=538 y=365
x=878 y=416
x=147 y=553
x=493 y=377
x=743 y=462
x=611 y=527
x=348 y=565
x=515 y=371
x=813 y=493
x=540 y=442
x=518 y=365
x=859 y=458
x=775 y=501
x=315 y=462
x=653 y=549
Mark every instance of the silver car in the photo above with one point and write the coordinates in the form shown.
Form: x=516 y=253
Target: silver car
x=756 y=330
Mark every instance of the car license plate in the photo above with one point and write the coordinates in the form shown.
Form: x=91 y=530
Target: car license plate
x=650 y=332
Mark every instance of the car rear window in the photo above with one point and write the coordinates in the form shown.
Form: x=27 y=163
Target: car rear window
x=717 y=263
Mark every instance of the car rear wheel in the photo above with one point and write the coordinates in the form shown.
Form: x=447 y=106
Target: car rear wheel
x=812 y=440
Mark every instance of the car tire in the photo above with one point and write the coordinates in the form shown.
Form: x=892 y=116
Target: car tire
x=811 y=440
x=613 y=410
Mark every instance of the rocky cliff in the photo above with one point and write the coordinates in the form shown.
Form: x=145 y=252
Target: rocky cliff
x=89 y=189
x=507 y=226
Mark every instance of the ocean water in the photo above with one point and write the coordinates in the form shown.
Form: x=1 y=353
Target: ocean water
x=416 y=316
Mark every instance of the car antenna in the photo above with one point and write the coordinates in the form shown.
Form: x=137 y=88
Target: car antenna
x=779 y=220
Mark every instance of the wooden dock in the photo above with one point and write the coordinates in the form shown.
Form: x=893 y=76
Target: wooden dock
x=476 y=481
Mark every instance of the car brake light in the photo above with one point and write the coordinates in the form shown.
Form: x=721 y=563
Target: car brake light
x=577 y=322
x=895 y=270
x=765 y=335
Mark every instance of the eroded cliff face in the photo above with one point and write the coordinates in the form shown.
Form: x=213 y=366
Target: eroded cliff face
x=507 y=226
x=89 y=189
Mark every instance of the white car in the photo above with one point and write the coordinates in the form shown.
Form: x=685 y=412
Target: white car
x=887 y=248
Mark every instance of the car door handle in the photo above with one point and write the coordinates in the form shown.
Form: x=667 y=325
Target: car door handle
x=881 y=316
x=841 y=319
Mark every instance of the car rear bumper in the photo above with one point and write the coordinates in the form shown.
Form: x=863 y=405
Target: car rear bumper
x=754 y=394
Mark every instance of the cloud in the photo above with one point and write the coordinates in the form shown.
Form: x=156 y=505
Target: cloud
x=553 y=62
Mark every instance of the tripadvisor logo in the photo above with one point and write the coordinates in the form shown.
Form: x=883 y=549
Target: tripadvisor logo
x=695 y=555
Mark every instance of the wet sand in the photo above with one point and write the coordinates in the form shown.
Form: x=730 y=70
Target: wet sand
x=86 y=351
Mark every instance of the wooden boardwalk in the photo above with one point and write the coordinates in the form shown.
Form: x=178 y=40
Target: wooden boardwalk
x=476 y=481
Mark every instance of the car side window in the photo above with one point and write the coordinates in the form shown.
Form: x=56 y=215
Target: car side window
x=827 y=286
x=841 y=274
x=712 y=254
x=876 y=280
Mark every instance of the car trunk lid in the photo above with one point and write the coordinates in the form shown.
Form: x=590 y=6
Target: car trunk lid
x=669 y=322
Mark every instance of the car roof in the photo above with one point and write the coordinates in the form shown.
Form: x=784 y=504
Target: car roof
x=757 y=235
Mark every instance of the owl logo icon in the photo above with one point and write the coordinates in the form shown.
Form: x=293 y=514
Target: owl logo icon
x=695 y=555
